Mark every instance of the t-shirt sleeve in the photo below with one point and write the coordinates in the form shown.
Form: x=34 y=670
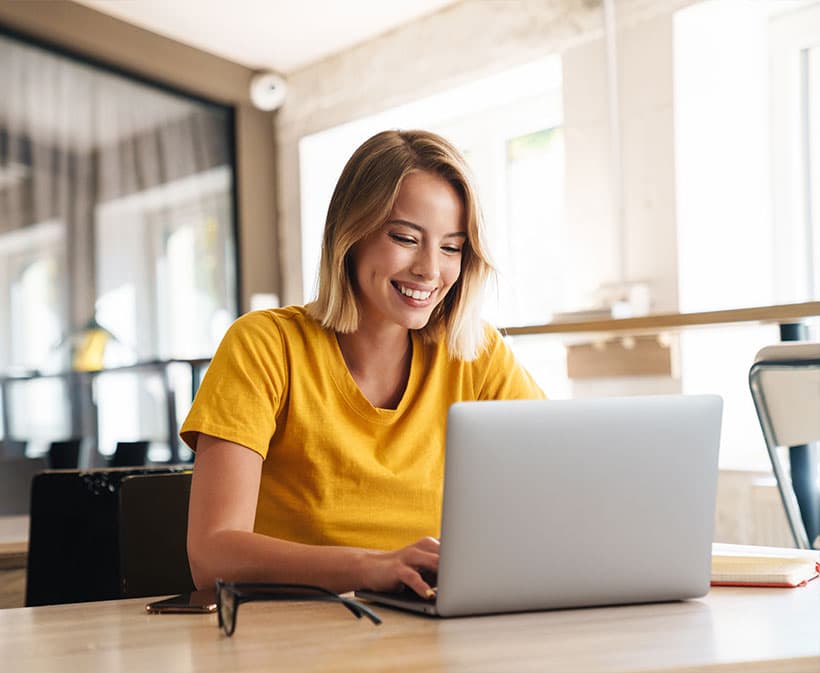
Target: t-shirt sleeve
x=501 y=375
x=243 y=388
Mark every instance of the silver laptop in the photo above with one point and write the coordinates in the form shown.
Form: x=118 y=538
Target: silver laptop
x=570 y=503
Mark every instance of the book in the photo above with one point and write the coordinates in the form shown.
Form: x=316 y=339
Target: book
x=747 y=565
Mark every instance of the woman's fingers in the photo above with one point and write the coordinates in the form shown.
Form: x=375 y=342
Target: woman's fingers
x=412 y=579
x=420 y=559
x=430 y=544
x=414 y=566
x=420 y=563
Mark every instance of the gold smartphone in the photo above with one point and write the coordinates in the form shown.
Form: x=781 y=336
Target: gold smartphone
x=195 y=602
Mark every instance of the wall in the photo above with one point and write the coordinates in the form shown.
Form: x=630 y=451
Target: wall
x=101 y=38
x=749 y=510
x=645 y=95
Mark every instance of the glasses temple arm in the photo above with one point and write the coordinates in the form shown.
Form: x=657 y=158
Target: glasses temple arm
x=359 y=610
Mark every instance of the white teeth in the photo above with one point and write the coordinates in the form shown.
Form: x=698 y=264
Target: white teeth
x=414 y=294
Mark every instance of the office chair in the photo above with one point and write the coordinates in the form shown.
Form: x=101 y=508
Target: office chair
x=16 y=475
x=74 y=535
x=785 y=385
x=12 y=448
x=153 y=534
x=64 y=454
x=130 y=454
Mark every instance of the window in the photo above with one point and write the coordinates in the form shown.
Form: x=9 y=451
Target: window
x=533 y=286
x=165 y=270
x=811 y=66
x=742 y=175
x=116 y=206
x=794 y=58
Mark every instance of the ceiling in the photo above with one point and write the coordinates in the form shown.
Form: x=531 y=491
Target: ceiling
x=280 y=35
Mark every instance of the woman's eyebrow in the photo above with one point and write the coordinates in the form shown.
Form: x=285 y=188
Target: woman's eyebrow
x=420 y=229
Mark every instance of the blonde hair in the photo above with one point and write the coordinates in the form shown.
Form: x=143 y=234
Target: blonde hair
x=361 y=203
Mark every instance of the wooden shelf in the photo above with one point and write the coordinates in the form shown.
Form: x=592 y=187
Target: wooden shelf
x=653 y=323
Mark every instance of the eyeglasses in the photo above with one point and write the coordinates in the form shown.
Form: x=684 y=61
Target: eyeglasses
x=230 y=595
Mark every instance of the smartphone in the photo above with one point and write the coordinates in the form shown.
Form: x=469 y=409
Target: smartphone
x=194 y=602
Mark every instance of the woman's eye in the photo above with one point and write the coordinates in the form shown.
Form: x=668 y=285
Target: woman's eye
x=403 y=239
x=451 y=249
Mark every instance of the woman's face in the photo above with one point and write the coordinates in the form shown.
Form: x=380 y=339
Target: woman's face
x=405 y=269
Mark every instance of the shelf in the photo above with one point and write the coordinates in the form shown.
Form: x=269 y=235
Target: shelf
x=653 y=323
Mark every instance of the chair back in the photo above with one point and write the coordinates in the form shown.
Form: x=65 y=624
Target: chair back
x=785 y=385
x=153 y=534
x=64 y=454
x=16 y=475
x=12 y=448
x=130 y=454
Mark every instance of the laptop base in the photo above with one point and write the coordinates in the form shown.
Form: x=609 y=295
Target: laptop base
x=404 y=600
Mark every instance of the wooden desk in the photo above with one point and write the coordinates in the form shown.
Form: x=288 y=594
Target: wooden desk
x=13 y=558
x=732 y=629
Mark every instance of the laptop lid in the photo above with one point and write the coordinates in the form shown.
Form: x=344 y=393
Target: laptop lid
x=569 y=503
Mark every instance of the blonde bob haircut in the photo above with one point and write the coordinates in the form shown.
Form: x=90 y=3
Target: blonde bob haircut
x=361 y=204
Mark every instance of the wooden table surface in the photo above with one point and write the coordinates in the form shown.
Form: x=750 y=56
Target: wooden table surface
x=732 y=629
x=13 y=559
x=13 y=540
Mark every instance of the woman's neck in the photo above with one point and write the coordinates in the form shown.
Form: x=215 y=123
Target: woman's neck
x=379 y=362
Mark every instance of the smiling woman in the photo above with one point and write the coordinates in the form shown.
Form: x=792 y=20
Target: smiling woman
x=392 y=180
x=319 y=430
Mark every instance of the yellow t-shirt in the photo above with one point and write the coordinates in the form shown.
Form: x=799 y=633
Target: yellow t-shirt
x=337 y=470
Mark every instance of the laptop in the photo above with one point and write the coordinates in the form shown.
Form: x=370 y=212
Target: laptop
x=574 y=503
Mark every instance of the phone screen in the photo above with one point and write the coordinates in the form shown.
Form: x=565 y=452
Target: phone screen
x=194 y=602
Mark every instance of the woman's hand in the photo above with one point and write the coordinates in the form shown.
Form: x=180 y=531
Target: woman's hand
x=221 y=541
x=389 y=570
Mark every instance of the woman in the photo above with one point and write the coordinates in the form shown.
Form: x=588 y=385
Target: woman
x=319 y=430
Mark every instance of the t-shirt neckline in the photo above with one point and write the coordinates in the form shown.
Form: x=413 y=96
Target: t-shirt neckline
x=353 y=395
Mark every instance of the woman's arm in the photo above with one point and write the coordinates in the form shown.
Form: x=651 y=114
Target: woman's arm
x=221 y=541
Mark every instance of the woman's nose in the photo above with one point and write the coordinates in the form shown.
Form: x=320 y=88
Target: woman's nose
x=425 y=264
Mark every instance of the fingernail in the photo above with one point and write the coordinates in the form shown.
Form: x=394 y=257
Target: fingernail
x=430 y=593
